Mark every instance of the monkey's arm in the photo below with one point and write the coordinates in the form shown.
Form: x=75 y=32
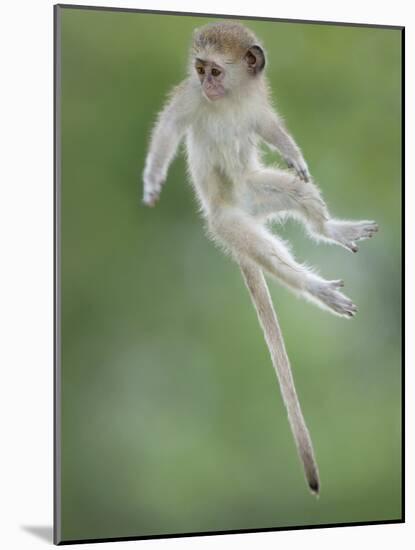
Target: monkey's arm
x=271 y=129
x=165 y=139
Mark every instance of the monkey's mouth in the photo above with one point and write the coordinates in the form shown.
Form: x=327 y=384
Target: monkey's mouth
x=212 y=97
x=213 y=93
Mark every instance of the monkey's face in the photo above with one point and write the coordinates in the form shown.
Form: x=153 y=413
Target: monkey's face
x=212 y=79
x=221 y=74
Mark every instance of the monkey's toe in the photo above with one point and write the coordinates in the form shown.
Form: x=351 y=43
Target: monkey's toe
x=352 y=246
x=328 y=294
x=339 y=283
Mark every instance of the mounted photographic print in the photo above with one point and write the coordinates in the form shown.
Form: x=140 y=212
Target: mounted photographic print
x=228 y=274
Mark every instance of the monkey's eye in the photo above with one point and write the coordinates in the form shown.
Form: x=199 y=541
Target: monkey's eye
x=215 y=72
x=200 y=70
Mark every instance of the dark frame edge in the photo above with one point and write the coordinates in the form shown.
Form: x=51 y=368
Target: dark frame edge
x=232 y=532
x=56 y=276
x=403 y=262
x=221 y=15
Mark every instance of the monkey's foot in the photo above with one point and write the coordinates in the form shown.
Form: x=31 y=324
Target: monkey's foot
x=347 y=233
x=327 y=294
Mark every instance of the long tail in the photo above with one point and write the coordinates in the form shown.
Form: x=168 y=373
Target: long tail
x=258 y=289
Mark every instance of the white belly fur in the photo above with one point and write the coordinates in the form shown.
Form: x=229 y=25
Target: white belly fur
x=219 y=154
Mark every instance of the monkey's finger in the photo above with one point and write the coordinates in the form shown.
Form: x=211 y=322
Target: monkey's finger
x=150 y=199
x=338 y=283
x=304 y=175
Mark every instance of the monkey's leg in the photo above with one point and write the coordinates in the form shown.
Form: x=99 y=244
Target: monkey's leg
x=245 y=237
x=257 y=286
x=276 y=191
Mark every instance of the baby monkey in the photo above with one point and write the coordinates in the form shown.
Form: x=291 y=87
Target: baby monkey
x=223 y=110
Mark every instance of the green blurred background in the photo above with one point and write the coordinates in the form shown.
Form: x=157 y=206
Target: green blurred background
x=172 y=419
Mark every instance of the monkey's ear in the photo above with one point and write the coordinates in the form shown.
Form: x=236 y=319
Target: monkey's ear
x=255 y=59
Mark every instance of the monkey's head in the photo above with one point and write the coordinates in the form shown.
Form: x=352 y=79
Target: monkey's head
x=225 y=58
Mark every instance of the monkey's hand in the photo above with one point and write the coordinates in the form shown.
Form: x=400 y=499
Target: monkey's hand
x=300 y=166
x=152 y=188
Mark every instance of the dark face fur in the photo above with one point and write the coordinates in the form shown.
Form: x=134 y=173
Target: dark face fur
x=225 y=56
x=211 y=76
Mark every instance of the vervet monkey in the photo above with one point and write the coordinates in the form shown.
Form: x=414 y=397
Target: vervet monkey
x=223 y=110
